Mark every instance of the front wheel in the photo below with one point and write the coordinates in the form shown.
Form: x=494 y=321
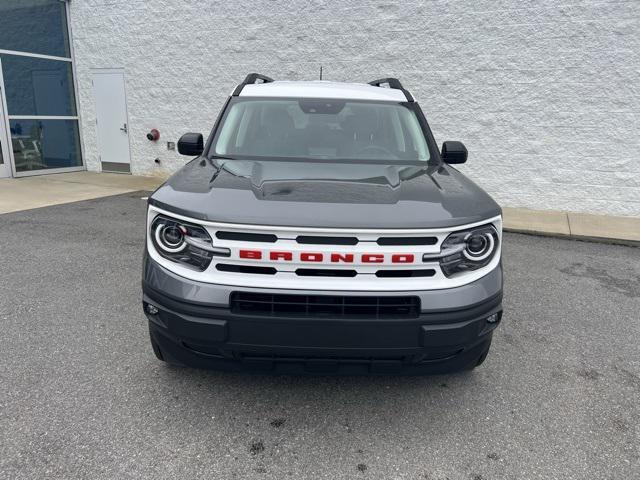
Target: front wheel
x=155 y=347
x=163 y=356
x=482 y=357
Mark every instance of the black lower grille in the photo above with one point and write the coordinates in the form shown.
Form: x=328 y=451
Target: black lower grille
x=324 y=306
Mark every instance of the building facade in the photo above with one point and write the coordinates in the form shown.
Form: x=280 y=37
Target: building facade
x=545 y=96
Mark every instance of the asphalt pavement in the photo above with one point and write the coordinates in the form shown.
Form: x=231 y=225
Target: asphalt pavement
x=82 y=396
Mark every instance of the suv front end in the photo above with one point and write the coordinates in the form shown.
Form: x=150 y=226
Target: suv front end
x=297 y=265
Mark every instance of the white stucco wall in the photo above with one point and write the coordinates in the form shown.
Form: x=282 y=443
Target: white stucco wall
x=545 y=94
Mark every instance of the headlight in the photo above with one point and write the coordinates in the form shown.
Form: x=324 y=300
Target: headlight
x=184 y=243
x=468 y=250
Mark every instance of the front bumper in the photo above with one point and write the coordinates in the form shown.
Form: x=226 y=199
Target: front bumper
x=195 y=327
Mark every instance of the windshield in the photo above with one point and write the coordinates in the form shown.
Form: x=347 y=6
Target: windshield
x=320 y=129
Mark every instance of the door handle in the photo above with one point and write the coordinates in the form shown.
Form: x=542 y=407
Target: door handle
x=124 y=128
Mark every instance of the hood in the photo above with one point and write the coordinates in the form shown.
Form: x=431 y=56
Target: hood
x=320 y=194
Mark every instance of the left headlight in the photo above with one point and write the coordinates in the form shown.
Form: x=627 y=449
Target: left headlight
x=184 y=243
x=469 y=249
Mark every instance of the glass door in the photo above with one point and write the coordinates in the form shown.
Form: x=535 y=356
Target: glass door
x=5 y=164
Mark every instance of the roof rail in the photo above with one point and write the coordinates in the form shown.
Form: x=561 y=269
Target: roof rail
x=251 y=79
x=393 y=83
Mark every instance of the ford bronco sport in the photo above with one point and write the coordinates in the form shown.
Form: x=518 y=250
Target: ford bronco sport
x=320 y=230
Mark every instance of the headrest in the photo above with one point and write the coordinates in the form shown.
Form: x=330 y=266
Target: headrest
x=277 y=119
x=363 y=123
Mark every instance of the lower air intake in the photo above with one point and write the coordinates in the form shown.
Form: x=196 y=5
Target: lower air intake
x=324 y=306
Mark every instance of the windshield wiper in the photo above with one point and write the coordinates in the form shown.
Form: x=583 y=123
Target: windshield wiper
x=220 y=157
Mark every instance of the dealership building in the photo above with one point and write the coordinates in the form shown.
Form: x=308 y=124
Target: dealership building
x=546 y=96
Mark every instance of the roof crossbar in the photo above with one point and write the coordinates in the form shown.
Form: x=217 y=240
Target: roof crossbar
x=249 y=80
x=393 y=83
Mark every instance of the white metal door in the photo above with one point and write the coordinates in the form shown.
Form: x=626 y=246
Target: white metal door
x=5 y=164
x=112 y=123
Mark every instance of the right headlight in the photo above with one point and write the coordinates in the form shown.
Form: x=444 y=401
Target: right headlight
x=184 y=243
x=469 y=249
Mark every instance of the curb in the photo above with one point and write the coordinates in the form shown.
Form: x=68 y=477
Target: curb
x=572 y=225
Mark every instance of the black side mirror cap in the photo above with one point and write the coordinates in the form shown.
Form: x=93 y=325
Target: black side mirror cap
x=454 y=152
x=191 y=144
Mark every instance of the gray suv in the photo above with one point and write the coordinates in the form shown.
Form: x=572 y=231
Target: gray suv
x=320 y=230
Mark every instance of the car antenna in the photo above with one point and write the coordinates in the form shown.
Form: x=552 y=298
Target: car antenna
x=320 y=72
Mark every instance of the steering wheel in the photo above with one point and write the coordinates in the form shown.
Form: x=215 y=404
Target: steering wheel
x=374 y=149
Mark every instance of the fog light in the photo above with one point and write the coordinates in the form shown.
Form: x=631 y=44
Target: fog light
x=151 y=310
x=492 y=318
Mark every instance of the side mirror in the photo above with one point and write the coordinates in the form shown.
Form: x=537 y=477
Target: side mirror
x=454 y=152
x=191 y=144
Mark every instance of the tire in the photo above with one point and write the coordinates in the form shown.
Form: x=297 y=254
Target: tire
x=156 y=348
x=160 y=355
x=483 y=356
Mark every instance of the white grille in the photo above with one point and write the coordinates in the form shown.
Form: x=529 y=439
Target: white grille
x=278 y=259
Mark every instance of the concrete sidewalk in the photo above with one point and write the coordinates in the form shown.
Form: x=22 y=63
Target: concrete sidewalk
x=44 y=190
x=26 y=193
x=624 y=230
